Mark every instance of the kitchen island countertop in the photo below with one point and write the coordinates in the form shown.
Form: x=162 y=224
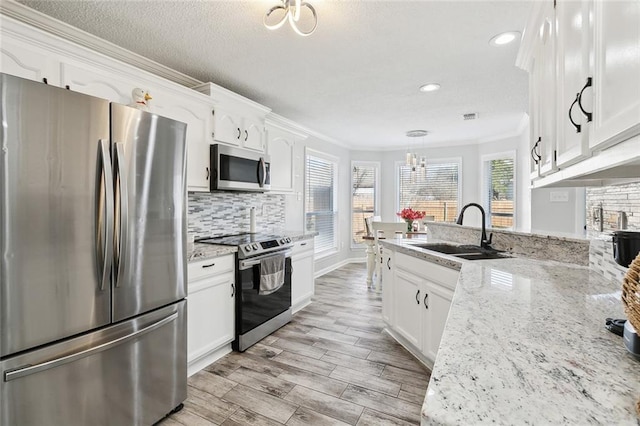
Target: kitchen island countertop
x=525 y=343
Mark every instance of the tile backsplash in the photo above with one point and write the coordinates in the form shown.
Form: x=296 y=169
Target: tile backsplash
x=613 y=199
x=225 y=213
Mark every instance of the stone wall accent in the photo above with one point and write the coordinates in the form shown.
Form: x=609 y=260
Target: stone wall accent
x=613 y=199
x=225 y=213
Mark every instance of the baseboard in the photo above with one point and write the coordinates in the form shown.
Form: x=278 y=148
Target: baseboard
x=410 y=348
x=344 y=262
x=207 y=359
x=300 y=305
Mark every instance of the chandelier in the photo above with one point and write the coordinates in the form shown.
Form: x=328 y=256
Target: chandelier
x=292 y=10
x=412 y=159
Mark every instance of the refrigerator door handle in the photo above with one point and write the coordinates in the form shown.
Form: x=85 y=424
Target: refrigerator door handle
x=47 y=365
x=104 y=213
x=122 y=212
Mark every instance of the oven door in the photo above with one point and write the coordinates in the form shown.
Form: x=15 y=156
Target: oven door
x=239 y=169
x=253 y=309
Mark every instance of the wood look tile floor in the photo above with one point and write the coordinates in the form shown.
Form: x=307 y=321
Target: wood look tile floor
x=332 y=365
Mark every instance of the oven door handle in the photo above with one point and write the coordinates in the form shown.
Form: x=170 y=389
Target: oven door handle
x=248 y=263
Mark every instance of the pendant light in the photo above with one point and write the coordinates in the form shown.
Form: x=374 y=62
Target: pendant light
x=411 y=159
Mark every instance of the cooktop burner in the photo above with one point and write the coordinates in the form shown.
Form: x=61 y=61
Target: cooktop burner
x=250 y=244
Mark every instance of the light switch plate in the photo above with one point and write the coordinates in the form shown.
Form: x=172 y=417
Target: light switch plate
x=559 y=196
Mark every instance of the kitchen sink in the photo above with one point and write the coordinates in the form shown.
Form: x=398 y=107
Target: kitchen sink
x=449 y=248
x=467 y=252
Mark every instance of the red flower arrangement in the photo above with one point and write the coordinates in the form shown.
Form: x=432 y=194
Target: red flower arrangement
x=410 y=214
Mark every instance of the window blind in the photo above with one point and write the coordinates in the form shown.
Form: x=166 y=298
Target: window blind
x=433 y=190
x=320 y=213
x=363 y=182
x=498 y=187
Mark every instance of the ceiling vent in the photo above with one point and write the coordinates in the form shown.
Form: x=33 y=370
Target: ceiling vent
x=470 y=116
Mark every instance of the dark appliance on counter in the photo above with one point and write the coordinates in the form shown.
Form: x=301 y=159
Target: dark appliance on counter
x=626 y=246
x=238 y=169
x=258 y=314
x=93 y=268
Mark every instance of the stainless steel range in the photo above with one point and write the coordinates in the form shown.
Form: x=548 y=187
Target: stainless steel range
x=259 y=310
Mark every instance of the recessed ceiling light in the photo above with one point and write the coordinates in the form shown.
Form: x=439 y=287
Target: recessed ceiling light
x=429 y=87
x=504 y=38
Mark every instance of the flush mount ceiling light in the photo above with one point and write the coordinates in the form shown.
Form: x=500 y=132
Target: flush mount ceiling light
x=429 y=87
x=291 y=10
x=504 y=38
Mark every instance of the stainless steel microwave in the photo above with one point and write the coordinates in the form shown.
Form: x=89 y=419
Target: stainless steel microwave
x=237 y=169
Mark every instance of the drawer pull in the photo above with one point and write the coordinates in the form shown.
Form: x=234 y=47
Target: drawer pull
x=209 y=266
x=303 y=244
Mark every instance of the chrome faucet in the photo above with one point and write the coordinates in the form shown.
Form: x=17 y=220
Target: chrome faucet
x=484 y=242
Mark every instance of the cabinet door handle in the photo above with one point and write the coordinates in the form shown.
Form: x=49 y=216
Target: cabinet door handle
x=418 y=297
x=239 y=133
x=209 y=266
x=426 y=301
x=246 y=135
x=534 y=153
x=576 y=125
x=589 y=115
x=207 y=173
x=388 y=266
x=233 y=289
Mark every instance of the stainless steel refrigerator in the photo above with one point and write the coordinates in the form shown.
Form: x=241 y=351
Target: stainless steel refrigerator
x=92 y=262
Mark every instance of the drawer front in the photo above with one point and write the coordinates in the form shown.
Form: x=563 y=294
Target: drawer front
x=431 y=271
x=302 y=246
x=213 y=266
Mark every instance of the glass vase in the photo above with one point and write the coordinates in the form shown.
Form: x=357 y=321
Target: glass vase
x=409 y=225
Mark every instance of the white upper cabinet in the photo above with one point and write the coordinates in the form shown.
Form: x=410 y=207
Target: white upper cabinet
x=587 y=53
x=280 y=148
x=616 y=74
x=27 y=61
x=253 y=135
x=95 y=81
x=227 y=127
x=544 y=76
x=237 y=121
x=573 y=42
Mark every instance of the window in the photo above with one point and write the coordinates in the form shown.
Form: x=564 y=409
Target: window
x=499 y=190
x=434 y=189
x=364 y=197
x=320 y=200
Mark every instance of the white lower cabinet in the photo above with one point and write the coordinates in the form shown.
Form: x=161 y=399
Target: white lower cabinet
x=416 y=297
x=407 y=307
x=388 y=274
x=436 y=301
x=302 y=279
x=211 y=310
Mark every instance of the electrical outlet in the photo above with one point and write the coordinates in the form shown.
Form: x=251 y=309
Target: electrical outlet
x=559 y=196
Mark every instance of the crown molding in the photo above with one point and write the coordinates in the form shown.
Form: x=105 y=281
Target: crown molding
x=24 y=14
x=291 y=126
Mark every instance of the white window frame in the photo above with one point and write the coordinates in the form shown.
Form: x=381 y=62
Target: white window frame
x=449 y=160
x=376 y=191
x=484 y=193
x=336 y=225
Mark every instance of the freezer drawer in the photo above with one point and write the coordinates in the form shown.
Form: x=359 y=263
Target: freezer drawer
x=132 y=373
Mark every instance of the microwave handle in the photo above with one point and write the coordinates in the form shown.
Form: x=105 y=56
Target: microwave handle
x=262 y=172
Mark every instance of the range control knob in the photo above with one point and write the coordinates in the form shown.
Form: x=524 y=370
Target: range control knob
x=247 y=248
x=255 y=246
x=288 y=239
x=282 y=241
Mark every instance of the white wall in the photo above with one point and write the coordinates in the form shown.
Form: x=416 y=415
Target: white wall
x=534 y=210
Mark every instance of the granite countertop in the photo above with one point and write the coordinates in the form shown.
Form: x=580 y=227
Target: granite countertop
x=200 y=251
x=525 y=343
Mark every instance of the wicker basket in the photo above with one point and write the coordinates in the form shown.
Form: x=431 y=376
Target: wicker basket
x=631 y=299
x=631 y=293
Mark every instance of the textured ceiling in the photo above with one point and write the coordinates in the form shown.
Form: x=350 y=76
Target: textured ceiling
x=355 y=79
